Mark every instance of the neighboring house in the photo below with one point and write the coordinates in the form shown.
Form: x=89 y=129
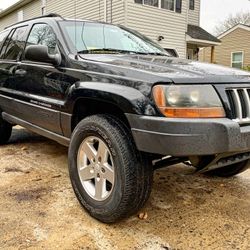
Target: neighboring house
x=234 y=50
x=172 y=23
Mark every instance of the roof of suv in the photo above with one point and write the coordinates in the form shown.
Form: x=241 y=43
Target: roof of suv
x=54 y=15
x=51 y=15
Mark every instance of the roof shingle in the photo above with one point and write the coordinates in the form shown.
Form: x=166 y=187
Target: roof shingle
x=197 y=32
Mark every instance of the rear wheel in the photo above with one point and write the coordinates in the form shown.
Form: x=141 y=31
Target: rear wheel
x=110 y=177
x=5 y=131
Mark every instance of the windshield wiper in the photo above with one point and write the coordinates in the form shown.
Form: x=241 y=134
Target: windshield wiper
x=157 y=54
x=119 y=51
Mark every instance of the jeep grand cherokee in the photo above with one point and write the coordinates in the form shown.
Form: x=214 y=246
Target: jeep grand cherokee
x=124 y=107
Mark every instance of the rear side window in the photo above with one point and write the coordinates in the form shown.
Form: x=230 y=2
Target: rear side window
x=15 y=44
x=3 y=35
x=44 y=35
x=5 y=44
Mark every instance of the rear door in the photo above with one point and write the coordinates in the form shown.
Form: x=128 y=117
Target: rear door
x=4 y=73
x=11 y=51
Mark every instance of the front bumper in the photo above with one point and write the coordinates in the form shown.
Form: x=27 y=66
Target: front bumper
x=186 y=137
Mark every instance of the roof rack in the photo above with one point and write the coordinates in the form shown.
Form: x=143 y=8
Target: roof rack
x=44 y=16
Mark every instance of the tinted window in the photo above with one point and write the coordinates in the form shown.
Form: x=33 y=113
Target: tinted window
x=3 y=35
x=5 y=44
x=43 y=34
x=15 y=44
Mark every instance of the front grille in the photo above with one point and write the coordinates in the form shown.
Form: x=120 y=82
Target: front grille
x=239 y=100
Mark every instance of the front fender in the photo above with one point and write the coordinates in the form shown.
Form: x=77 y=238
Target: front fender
x=128 y=99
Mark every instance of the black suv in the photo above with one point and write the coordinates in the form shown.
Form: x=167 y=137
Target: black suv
x=122 y=105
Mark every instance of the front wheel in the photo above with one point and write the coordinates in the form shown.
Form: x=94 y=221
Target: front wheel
x=109 y=176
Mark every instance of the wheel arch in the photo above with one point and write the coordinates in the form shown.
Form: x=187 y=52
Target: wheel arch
x=90 y=98
x=85 y=107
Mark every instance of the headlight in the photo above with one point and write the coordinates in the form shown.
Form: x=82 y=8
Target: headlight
x=185 y=101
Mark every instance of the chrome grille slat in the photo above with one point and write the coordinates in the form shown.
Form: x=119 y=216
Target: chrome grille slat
x=247 y=102
x=240 y=103
x=237 y=104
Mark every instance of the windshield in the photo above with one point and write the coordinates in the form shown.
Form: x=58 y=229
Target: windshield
x=89 y=37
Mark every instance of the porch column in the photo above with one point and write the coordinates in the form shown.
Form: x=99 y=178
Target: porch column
x=212 y=54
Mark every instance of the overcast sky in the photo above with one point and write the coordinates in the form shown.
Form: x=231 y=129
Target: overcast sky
x=215 y=11
x=212 y=11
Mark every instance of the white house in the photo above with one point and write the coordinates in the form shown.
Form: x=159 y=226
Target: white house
x=172 y=23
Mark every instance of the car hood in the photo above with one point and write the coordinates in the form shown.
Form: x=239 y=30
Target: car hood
x=165 y=69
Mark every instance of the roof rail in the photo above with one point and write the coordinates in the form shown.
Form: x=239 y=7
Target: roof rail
x=44 y=16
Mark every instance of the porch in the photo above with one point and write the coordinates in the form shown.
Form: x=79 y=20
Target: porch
x=197 y=38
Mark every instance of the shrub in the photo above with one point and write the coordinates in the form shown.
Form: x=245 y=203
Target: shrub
x=247 y=68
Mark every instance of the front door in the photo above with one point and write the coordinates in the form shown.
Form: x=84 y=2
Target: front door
x=190 y=54
x=41 y=83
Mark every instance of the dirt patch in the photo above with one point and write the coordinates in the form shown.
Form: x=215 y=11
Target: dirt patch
x=29 y=195
x=15 y=170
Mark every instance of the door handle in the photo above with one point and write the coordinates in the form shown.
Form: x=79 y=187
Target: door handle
x=20 y=72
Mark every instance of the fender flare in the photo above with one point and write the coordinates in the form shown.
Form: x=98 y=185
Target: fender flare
x=128 y=99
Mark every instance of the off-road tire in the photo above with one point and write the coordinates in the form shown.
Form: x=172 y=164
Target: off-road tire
x=133 y=173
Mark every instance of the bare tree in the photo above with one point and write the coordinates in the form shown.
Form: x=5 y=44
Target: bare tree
x=232 y=20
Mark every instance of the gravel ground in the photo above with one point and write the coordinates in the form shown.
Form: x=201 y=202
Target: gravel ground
x=38 y=209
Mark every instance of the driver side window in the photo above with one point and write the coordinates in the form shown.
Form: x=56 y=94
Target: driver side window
x=44 y=35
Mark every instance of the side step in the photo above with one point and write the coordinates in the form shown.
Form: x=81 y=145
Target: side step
x=44 y=132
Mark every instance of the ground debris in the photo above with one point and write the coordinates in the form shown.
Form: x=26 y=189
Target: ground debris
x=143 y=215
x=56 y=176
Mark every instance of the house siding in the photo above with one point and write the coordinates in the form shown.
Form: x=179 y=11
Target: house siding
x=237 y=40
x=194 y=15
x=30 y=10
x=87 y=9
x=117 y=15
x=150 y=21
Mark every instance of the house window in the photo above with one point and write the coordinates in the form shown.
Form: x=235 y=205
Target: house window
x=191 y=4
x=237 y=60
x=173 y=5
x=20 y=16
x=154 y=3
x=168 y=4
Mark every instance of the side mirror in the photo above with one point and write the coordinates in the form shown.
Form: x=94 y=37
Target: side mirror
x=40 y=53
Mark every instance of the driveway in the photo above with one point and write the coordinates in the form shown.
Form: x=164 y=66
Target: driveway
x=38 y=209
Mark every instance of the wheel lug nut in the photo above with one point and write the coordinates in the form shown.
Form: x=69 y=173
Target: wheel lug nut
x=103 y=170
x=99 y=159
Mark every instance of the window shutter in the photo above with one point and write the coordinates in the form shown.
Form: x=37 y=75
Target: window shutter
x=178 y=6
